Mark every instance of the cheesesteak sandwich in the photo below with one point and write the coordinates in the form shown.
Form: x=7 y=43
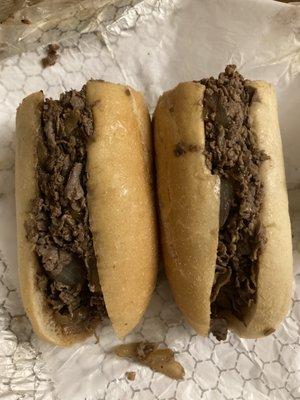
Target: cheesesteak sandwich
x=223 y=204
x=85 y=213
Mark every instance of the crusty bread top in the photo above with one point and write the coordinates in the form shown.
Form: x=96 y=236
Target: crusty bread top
x=275 y=268
x=188 y=201
x=28 y=125
x=120 y=201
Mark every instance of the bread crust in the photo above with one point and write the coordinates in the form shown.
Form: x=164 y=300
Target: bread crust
x=28 y=125
x=188 y=202
x=189 y=211
x=120 y=201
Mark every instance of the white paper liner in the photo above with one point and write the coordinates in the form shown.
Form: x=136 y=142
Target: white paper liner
x=153 y=47
x=27 y=24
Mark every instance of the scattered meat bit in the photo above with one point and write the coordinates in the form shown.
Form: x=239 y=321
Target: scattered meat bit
x=96 y=103
x=126 y=350
x=127 y=91
x=53 y=47
x=144 y=349
x=219 y=328
x=52 y=55
x=269 y=331
x=194 y=148
x=159 y=360
x=130 y=375
x=181 y=148
x=26 y=21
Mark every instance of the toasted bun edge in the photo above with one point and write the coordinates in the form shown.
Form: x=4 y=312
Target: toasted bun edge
x=120 y=201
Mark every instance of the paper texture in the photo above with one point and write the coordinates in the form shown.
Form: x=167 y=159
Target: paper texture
x=153 y=46
x=27 y=24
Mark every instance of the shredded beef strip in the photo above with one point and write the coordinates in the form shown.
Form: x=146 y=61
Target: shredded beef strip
x=160 y=360
x=59 y=222
x=232 y=153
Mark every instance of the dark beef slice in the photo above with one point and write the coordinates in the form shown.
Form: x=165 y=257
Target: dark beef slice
x=232 y=152
x=74 y=189
x=226 y=200
x=58 y=224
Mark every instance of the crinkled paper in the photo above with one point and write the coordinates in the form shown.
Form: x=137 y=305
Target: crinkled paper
x=153 y=45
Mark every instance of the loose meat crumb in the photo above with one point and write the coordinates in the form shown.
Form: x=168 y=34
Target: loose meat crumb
x=26 y=21
x=232 y=153
x=52 y=55
x=130 y=375
x=179 y=150
x=269 y=331
x=182 y=148
x=159 y=360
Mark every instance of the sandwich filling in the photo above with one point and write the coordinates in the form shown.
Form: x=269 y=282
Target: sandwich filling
x=232 y=153
x=58 y=225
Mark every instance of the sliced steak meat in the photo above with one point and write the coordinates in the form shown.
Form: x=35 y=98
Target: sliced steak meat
x=232 y=153
x=59 y=223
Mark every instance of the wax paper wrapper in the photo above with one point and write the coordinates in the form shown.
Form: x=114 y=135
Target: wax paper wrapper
x=27 y=24
x=152 y=46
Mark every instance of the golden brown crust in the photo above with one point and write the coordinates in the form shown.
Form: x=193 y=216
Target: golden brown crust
x=28 y=124
x=120 y=202
x=188 y=201
x=275 y=269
